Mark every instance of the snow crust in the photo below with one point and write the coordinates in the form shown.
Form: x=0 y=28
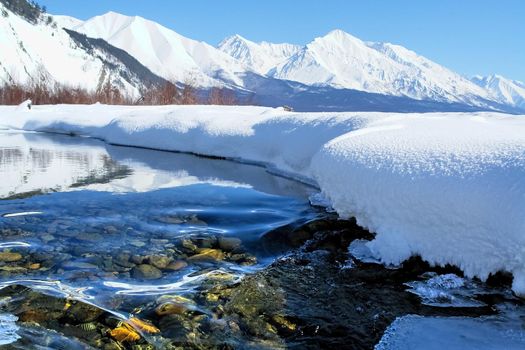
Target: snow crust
x=447 y=186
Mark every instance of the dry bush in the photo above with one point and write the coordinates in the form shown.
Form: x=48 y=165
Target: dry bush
x=166 y=94
x=42 y=92
x=221 y=96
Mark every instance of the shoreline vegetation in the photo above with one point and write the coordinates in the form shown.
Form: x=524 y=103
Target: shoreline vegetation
x=163 y=94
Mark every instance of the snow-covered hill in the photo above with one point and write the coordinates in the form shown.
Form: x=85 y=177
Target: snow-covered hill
x=42 y=52
x=260 y=57
x=506 y=91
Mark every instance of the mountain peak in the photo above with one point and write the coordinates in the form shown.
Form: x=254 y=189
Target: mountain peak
x=338 y=34
x=259 y=57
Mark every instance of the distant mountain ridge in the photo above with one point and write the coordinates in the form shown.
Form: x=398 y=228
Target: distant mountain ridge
x=333 y=72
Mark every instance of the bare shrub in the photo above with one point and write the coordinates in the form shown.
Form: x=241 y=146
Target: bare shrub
x=221 y=96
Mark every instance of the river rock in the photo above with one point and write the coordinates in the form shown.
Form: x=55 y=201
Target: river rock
x=10 y=256
x=146 y=272
x=159 y=261
x=206 y=255
x=89 y=237
x=78 y=265
x=177 y=265
x=137 y=243
x=229 y=244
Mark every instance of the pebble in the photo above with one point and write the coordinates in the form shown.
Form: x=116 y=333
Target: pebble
x=78 y=265
x=147 y=272
x=34 y=266
x=171 y=220
x=207 y=254
x=159 y=261
x=10 y=257
x=229 y=244
x=177 y=265
x=137 y=243
x=47 y=238
x=188 y=244
x=89 y=237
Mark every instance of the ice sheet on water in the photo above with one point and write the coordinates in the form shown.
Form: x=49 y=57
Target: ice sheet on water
x=447 y=290
x=453 y=333
x=319 y=200
x=359 y=250
x=8 y=329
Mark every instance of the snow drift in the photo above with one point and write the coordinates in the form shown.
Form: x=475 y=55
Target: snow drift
x=447 y=186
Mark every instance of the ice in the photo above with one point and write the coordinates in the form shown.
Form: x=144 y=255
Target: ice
x=453 y=333
x=359 y=250
x=447 y=290
x=8 y=329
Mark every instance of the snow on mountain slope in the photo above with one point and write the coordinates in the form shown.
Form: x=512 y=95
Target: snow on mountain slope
x=506 y=91
x=165 y=52
x=67 y=21
x=260 y=57
x=42 y=52
x=341 y=60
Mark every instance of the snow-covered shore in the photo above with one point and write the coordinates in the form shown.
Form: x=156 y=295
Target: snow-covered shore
x=447 y=186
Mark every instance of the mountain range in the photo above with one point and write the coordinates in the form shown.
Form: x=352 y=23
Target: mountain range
x=334 y=72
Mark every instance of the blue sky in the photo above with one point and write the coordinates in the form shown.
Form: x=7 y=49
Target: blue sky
x=468 y=36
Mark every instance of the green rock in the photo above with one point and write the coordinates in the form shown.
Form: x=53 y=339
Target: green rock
x=159 y=261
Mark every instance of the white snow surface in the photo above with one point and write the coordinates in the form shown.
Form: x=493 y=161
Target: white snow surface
x=447 y=186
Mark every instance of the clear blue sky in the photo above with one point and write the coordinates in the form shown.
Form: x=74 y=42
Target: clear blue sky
x=468 y=36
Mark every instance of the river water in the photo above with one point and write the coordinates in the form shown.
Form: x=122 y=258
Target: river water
x=121 y=227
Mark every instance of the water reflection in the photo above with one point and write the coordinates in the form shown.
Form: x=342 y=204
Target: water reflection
x=33 y=163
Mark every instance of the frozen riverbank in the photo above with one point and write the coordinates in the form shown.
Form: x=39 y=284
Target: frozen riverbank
x=447 y=186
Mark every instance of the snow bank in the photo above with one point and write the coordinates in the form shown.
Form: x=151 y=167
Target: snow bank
x=450 y=187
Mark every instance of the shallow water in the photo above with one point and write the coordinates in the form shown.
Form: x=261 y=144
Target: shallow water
x=78 y=217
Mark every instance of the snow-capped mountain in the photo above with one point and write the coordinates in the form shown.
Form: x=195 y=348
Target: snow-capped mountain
x=37 y=50
x=260 y=57
x=341 y=60
x=165 y=52
x=336 y=72
x=506 y=91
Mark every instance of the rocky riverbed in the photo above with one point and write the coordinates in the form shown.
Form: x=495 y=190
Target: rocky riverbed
x=315 y=296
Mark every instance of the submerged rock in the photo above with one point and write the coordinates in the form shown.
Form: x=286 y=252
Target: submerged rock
x=177 y=265
x=146 y=272
x=10 y=256
x=159 y=261
x=207 y=255
x=229 y=244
